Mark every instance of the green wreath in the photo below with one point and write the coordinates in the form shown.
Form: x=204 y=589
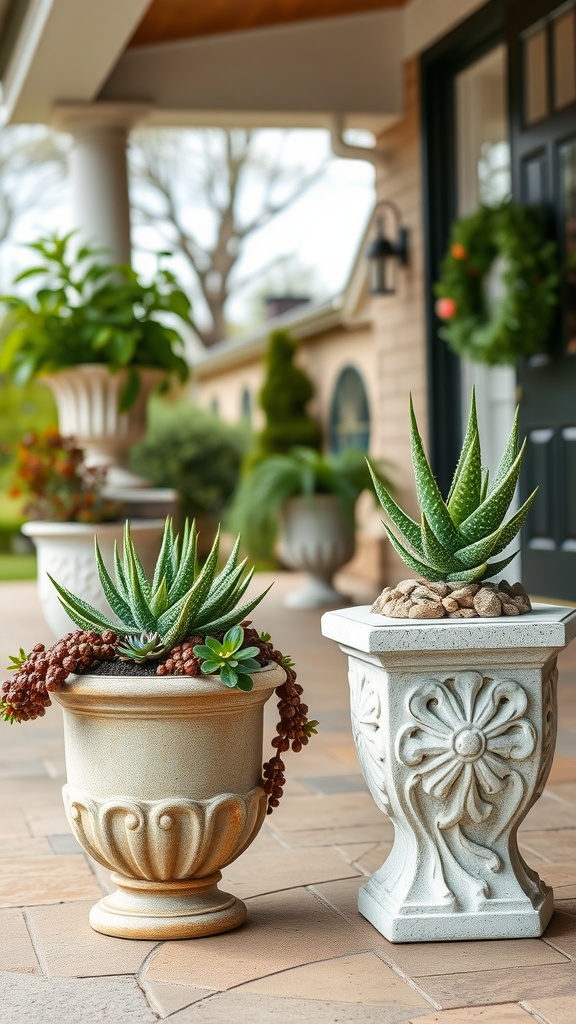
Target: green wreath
x=522 y=320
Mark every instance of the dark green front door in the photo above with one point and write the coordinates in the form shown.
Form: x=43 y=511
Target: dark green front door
x=542 y=50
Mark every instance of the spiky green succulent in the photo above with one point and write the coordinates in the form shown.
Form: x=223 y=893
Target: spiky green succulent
x=456 y=537
x=140 y=647
x=182 y=600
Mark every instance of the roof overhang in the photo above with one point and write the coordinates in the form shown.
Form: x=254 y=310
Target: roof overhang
x=298 y=74
x=294 y=75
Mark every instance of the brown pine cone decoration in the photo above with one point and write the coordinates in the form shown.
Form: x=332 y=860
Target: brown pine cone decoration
x=25 y=696
x=181 y=660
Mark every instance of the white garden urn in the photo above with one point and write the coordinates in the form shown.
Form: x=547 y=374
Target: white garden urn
x=87 y=399
x=454 y=722
x=164 y=788
x=317 y=538
x=66 y=552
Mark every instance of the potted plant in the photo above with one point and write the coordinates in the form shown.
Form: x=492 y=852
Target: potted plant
x=163 y=709
x=97 y=336
x=308 y=499
x=453 y=691
x=63 y=499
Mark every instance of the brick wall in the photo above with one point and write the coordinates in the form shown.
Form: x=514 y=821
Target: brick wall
x=399 y=320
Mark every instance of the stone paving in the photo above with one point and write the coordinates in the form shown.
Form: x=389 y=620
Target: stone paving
x=305 y=953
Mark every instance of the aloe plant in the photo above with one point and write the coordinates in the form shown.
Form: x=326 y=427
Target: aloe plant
x=182 y=599
x=456 y=537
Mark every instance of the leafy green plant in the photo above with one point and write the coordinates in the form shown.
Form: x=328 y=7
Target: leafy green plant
x=90 y=311
x=182 y=600
x=303 y=471
x=228 y=659
x=192 y=451
x=455 y=538
x=284 y=397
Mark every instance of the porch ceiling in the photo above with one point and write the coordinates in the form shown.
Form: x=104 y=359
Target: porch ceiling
x=168 y=20
x=296 y=74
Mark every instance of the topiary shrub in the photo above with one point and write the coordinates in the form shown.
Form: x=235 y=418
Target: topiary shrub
x=192 y=451
x=284 y=396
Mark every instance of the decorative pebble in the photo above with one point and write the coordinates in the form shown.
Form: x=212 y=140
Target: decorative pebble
x=418 y=599
x=487 y=604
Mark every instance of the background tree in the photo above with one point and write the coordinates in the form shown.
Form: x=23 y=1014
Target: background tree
x=205 y=193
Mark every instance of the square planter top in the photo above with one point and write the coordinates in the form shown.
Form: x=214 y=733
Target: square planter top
x=547 y=625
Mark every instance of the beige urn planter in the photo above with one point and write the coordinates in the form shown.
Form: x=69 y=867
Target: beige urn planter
x=316 y=538
x=66 y=551
x=87 y=398
x=164 y=789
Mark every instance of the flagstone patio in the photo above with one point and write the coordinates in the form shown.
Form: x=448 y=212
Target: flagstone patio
x=305 y=953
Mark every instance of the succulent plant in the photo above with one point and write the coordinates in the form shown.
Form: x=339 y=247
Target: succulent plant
x=229 y=659
x=181 y=600
x=457 y=536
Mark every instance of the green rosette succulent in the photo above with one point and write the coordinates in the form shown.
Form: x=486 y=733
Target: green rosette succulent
x=457 y=537
x=181 y=600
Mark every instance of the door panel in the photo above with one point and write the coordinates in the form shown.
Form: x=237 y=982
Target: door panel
x=543 y=135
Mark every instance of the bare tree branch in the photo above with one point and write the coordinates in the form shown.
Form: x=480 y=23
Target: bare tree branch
x=183 y=174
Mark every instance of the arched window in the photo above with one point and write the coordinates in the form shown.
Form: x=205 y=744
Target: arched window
x=215 y=406
x=246 y=407
x=349 y=415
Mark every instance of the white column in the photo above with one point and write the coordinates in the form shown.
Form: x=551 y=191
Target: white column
x=98 y=171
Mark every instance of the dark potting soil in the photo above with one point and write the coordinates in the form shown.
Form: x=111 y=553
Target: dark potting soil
x=117 y=667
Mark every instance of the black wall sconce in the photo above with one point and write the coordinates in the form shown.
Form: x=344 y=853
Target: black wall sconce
x=385 y=256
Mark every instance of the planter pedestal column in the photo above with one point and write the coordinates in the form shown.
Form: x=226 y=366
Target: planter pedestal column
x=455 y=727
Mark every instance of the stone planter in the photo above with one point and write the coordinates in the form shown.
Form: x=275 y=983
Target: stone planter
x=66 y=551
x=455 y=725
x=317 y=538
x=87 y=401
x=164 y=789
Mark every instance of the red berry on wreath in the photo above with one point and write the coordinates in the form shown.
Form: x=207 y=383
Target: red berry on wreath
x=446 y=308
x=459 y=252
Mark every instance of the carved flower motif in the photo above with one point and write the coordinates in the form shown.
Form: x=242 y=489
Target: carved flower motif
x=366 y=726
x=466 y=733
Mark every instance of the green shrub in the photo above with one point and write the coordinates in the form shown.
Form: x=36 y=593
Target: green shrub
x=192 y=451
x=284 y=396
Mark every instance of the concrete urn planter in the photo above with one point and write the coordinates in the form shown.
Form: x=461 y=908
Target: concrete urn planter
x=66 y=551
x=455 y=726
x=317 y=538
x=87 y=401
x=164 y=789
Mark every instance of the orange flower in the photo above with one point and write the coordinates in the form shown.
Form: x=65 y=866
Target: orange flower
x=459 y=252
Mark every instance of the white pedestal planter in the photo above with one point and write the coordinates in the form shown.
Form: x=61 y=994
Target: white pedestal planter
x=455 y=726
x=164 y=788
x=316 y=537
x=87 y=401
x=66 y=551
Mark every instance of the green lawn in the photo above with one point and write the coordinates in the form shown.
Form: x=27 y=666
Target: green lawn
x=17 y=567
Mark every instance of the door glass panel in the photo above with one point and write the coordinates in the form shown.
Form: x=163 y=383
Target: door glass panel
x=484 y=176
x=568 y=212
x=535 y=76
x=564 y=36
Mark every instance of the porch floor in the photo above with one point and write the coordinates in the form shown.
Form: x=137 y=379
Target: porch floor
x=305 y=954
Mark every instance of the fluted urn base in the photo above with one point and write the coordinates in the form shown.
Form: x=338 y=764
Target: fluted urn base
x=167 y=910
